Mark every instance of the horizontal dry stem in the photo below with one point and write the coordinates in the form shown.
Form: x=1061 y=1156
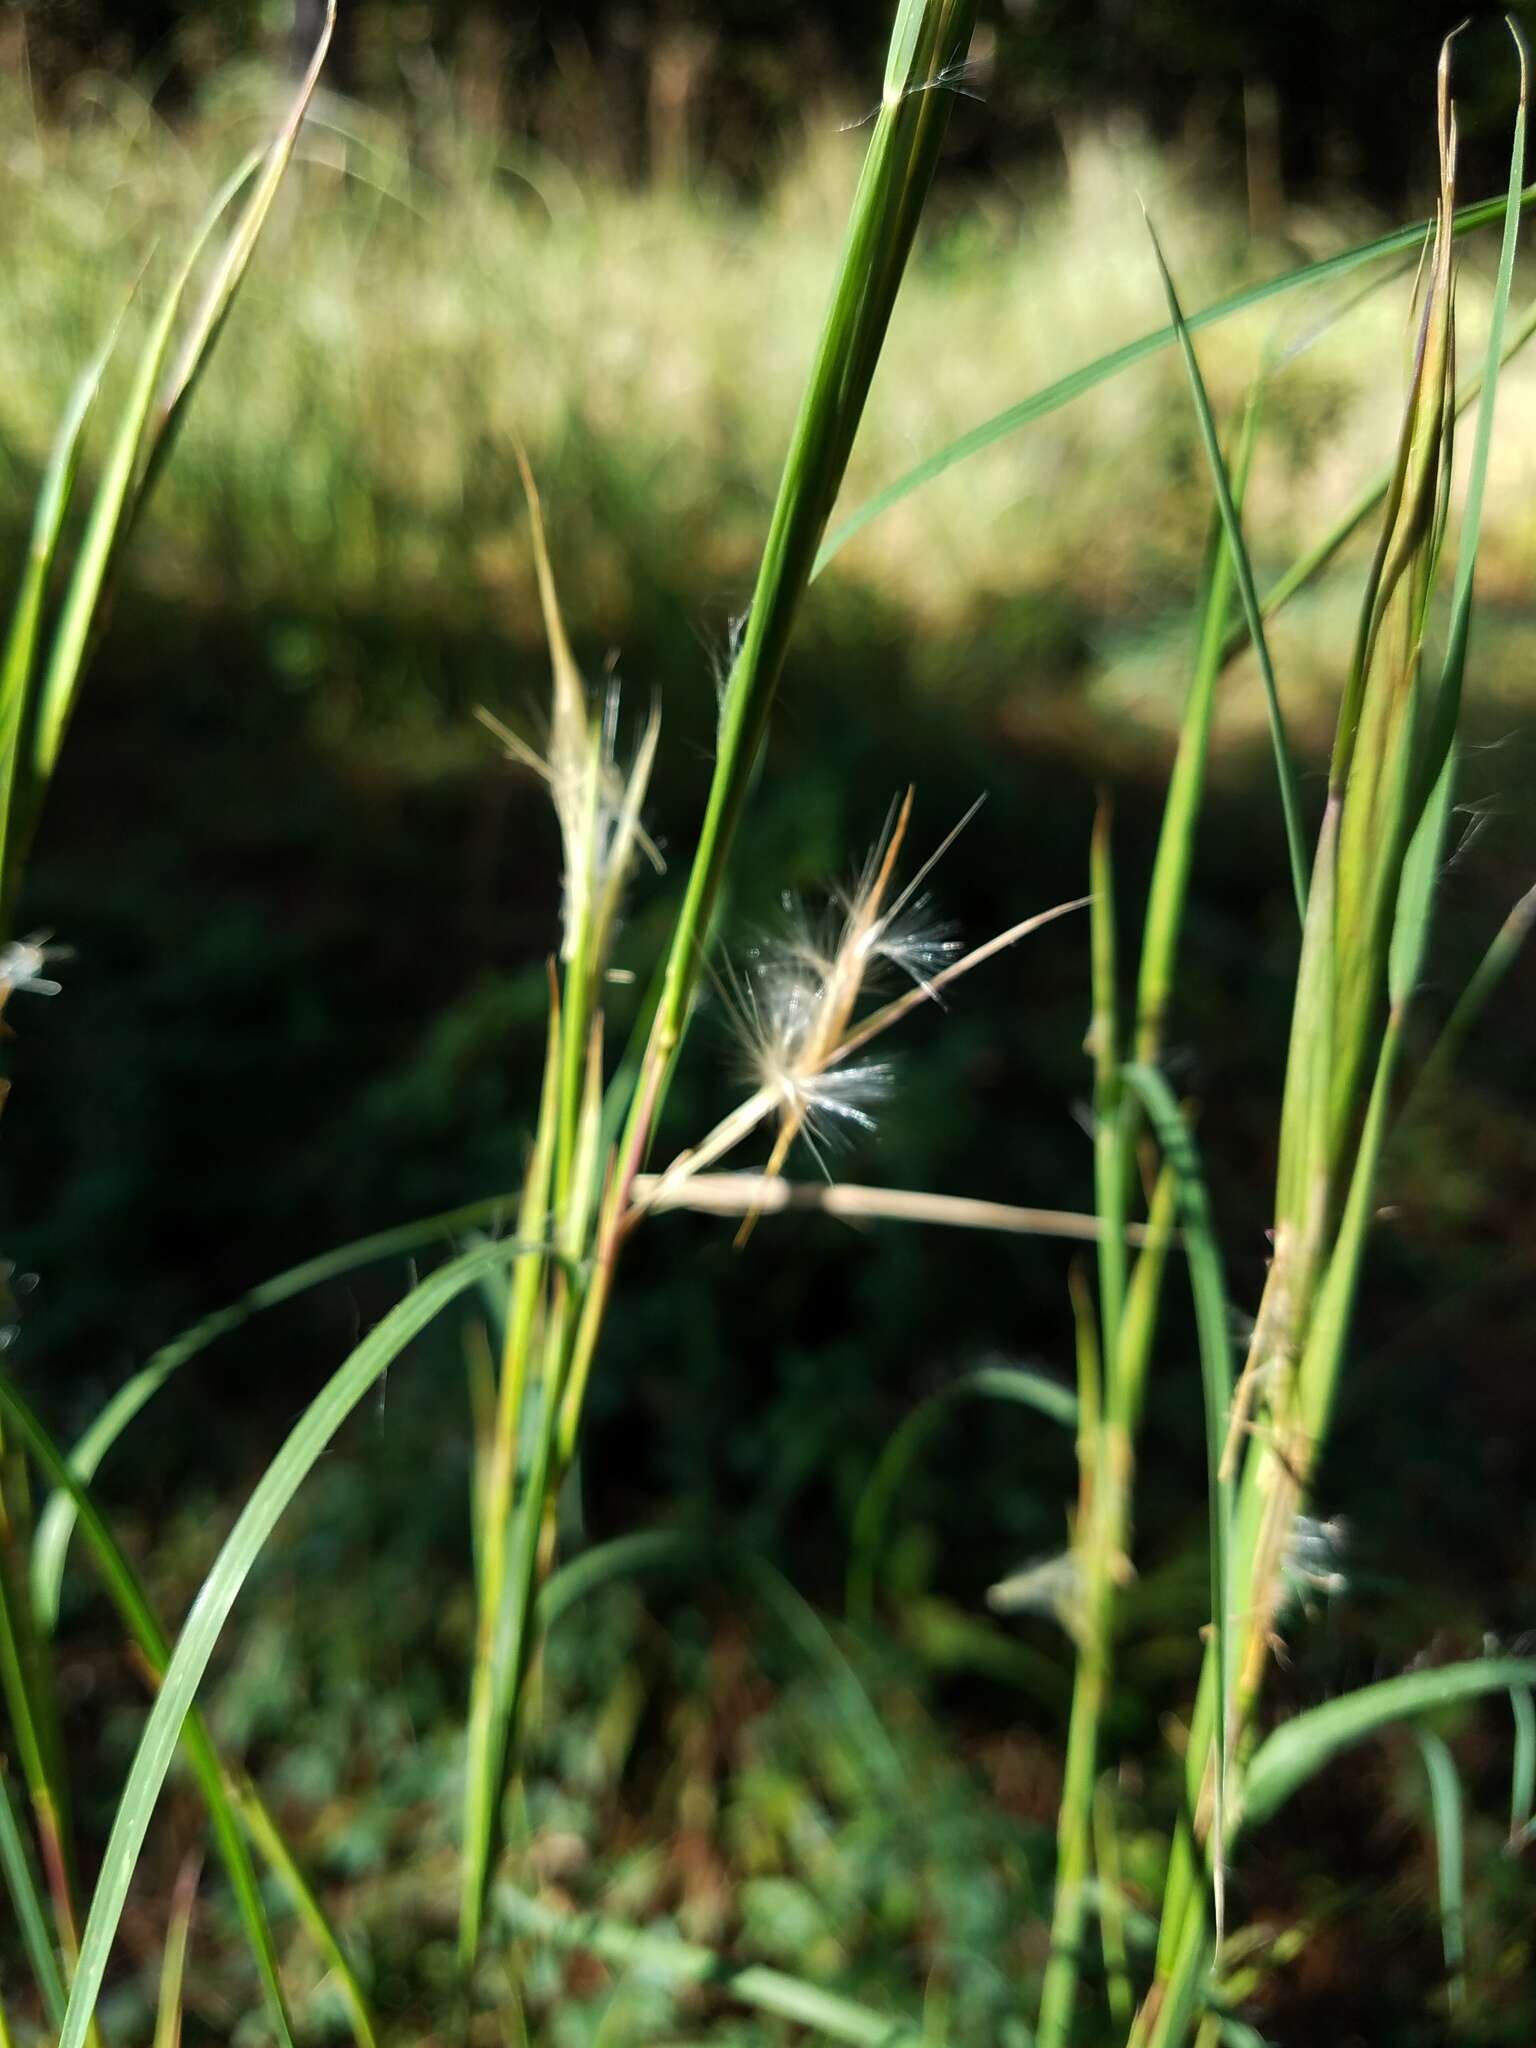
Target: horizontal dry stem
x=738 y=1194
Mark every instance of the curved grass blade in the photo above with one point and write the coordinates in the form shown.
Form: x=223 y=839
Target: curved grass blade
x=989 y=1382
x=1522 y=1778
x=143 y=1625
x=279 y=1483
x=53 y=499
x=1213 y=1327
x=825 y=2013
x=31 y=1913
x=1445 y=1802
x=1298 y=1749
x=57 y=1520
x=1285 y=768
x=1399 y=242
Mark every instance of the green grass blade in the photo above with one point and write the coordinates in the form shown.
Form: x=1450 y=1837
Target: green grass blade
x=275 y=1852
x=1111 y=1130
x=1448 y=699
x=1168 y=891
x=1399 y=242
x=18 y=662
x=31 y=1912
x=1445 y=1805
x=1285 y=769
x=827 y=2015
x=1213 y=1327
x=1501 y=955
x=1522 y=1777
x=59 y=684
x=229 y=272
x=282 y=1479
x=991 y=1382
x=57 y=1520
x=893 y=185
x=128 y=1596
x=173 y=1964
x=1299 y=1748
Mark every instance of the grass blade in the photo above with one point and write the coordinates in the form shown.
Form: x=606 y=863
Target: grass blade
x=1522 y=1780
x=279 y=1483
x=1284 y=766
x=31 y=1913
x=1213 y=1327
x=1299 y=1748
x=1448 y=700
x=825 y=2013
x=127 y=1594
x=989 y=1382
x=1445 y=1805
x=57 y=1521
x=174 y=1962
x=16 y=667
x=1399 y=242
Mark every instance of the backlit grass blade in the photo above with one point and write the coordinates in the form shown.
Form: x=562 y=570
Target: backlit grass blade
x=128 y=1596
x=282 y=1479
x=29 y=1908
x=1301 y=1747
x=60 y=680
x=1213 y=1328
x=1445 y=1805
x=1033 y=1390
x=19 y=660
x=57 y=1520
x=1400 y=241
x=827 y=2015
x=229 y=272
x=1448 y=699
x=1110 y=1131
x=1489 y=973
x=1285 y=769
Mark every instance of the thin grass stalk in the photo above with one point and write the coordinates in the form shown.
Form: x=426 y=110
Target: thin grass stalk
x=31 y=1912
x=1285 y=770
x=930 y=36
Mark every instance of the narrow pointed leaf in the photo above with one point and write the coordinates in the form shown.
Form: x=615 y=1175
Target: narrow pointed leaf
x=1446 y=1809
x=1298 y=1749
x=282 y=1479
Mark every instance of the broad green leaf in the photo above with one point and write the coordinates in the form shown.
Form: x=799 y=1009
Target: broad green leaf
x=1404 y=241
x=1299 y=1748
x=1034 y=1390
x=282 y=1479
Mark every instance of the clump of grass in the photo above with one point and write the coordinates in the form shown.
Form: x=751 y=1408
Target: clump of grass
x=809 y=1004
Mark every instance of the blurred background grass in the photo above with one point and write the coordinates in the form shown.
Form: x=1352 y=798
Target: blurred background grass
x=310 y=906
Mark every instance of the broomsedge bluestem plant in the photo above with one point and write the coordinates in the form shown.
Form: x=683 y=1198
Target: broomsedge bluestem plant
x=799 y=1001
